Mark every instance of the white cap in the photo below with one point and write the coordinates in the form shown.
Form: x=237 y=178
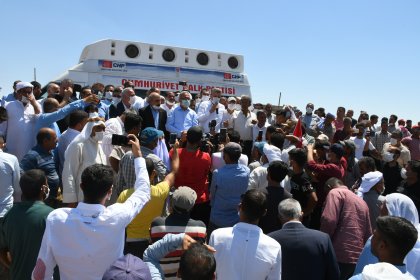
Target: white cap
x=369 y=180
x=22 y=85
x=231 y=99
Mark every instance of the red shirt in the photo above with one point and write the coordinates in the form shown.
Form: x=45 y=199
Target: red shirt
x=194 y=168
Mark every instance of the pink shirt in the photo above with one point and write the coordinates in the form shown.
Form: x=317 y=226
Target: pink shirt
x=413 y=145
x=346 y=219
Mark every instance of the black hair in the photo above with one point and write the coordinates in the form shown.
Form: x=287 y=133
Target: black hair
x=281 y=112
x=91 y=108
x=277 y=139
x=128 y=84
x=132 y=121
x=194 y=134
x=299 y=156
x=197 y=263
x=332 y=182
x=394 y=117
x=277 y=170
x=271 y=129
x=36 y=84
x=3 y=114
x=254 y=204
x=97 y=181
x=261 y=113
x=233 y=155
x=76 y=117
x=108 y=86
x=150 y=166
x=369 y=162
x=234 y=136
x=43 y=134
x=31 y=182
x=374 y=117
x=398 y=233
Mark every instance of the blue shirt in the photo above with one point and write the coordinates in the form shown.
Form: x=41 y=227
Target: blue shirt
x=10 y=97
x=154 y=253
x=155 y=114
x=227 y=186
x=49 y=119
x=38 y=158
x=103 y=110
x=9 y=181
x=181 y=120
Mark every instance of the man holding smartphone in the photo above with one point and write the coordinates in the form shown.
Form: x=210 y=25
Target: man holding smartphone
x=259 y=129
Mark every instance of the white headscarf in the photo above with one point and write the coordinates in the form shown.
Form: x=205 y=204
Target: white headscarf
x=383 y=271
x=400 y=205
x=87 y=130
x=369 y=180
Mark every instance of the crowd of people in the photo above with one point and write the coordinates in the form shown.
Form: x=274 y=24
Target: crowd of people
x=104 y=184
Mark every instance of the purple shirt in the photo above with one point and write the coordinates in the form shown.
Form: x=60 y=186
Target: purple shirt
x=346 y=220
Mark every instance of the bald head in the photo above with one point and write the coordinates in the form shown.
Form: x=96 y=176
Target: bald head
x=46 y=138
x=154 y=99
x=50 y=105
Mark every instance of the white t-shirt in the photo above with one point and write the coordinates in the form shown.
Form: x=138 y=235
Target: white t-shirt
x=360 y=145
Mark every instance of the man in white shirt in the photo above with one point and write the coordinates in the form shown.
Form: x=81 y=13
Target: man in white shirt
x=244 y=251
x=261 y=125
x=229 y=113
x=20 y=126
x=86 y=240
x=243 y=122
x=203 y=96
x=210 y=111
x=360 y=141
x=169 y=103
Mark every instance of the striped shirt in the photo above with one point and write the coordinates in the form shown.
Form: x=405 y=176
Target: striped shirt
x=175 y=223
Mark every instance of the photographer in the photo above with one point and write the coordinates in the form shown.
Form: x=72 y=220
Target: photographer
x=193 y=172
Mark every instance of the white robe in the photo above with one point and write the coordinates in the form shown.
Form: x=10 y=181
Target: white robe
x=78 y=156
x=20 y=128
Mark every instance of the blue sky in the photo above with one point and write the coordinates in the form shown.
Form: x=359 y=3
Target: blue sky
x=358 y=54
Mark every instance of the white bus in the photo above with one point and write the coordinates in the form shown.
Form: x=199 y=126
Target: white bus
x=148 y=65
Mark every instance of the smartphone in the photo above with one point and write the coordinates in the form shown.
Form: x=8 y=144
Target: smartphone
x=222 y=135
x=119 y=140
x=172 y=138
x=260 y=135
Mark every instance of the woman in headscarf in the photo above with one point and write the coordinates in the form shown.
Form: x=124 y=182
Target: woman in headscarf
x=398 y=205
x=85 y=150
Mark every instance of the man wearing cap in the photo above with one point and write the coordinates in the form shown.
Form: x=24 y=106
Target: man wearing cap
x=227 y=185
x=149 y=138
x=179 y=221
x=346 y=220
x=371 y=190
x=194 y=169
x=413 y=142
x=22 y=113
x=217 y=157
x=138 y=230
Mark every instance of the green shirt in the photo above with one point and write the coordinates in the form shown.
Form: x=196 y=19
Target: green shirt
x=21 y=234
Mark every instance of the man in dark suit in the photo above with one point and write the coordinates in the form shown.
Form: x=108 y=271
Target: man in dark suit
x=153 y=115
x=306 y=253
x=128 y=98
